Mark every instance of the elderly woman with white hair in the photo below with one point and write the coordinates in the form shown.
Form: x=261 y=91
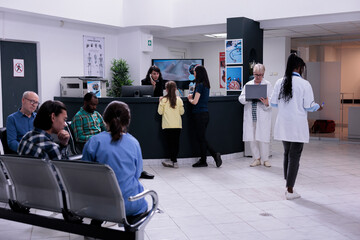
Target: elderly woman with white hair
x=257 y=119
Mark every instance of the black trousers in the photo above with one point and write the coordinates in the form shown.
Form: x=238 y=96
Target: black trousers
x=172 y=136
x=201 y=121
x=292 y=154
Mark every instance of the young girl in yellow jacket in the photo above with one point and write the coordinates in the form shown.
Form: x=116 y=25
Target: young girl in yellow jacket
x=171 y=108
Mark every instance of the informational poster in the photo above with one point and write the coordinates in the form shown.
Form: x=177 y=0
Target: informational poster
x=95 y=87
x=19 y=68
x=233 y=51
x=222 y=70
x=94 y=56
x=234 y=77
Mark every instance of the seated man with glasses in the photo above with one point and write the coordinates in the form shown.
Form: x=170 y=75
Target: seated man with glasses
x=21 y=122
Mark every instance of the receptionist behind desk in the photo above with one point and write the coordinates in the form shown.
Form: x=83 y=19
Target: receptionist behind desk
x=154 y=77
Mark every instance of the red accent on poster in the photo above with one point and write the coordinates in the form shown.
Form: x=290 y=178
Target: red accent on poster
x=222 y=70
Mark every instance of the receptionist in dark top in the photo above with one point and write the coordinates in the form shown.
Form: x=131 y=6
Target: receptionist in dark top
x=154 y=77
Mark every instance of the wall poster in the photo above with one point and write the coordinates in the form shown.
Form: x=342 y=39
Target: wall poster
x=234 y=75
x=222 y=69
x=233 y=51
x=18 y=68
x=94 y=56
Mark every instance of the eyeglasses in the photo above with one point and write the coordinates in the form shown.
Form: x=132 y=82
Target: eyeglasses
x=258 y=75
x=32 y=102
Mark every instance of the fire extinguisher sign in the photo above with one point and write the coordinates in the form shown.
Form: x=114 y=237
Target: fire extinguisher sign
x=18 y=67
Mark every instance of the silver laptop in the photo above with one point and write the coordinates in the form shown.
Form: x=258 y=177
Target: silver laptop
x=255 y=92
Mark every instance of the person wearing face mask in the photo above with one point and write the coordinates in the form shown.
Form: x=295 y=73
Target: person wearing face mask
x=154 y=78
x=257 y=119
x=21 y=122
x=87 y=122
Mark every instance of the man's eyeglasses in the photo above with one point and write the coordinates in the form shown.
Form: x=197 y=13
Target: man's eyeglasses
x=32 y=102
x=258 y=75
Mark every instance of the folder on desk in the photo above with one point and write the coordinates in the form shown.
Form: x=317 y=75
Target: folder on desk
x=255 y=92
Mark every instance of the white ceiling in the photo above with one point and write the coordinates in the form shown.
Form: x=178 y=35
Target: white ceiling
x=343 y=33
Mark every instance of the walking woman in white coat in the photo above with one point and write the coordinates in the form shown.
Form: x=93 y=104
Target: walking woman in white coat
x=257 y=119
x=294 y=97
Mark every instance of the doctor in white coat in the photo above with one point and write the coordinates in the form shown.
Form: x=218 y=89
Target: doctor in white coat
x=294 y=97
x=257 y=120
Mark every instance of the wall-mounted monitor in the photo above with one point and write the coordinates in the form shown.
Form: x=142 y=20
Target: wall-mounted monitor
x=177 y=70
x=137 y=91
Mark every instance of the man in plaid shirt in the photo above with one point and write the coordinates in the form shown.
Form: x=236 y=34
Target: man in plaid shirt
x=50 y=119
x=87 y=122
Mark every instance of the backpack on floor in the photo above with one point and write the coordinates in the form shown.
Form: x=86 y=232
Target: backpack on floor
x=323 y=126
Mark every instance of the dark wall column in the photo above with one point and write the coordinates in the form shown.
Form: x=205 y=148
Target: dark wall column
x=249 y=30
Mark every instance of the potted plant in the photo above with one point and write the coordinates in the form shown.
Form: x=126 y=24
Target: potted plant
x=120 y=77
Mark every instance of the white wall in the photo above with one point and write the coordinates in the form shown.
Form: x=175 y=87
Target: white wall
x=60 y=48
x=350 y=72
x=275 y=54
x=324 y=78
x=109 y=12
x=209 y=51
x=175 y=13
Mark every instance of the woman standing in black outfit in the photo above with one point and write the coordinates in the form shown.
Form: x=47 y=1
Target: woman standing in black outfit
x=200 y=99
x=154 y=77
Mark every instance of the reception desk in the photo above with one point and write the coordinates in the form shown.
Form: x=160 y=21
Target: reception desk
x=224 y=131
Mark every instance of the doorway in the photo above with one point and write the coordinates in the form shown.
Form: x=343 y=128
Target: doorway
x=18 y=74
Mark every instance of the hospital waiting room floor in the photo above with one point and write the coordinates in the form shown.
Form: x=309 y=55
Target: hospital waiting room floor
x=236 y=201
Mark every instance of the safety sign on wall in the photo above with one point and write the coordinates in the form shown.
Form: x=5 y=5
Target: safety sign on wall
x=18 y=65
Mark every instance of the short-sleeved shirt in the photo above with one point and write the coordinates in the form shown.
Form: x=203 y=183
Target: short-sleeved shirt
x=125 y=158
x=38 y=143
x=291 y=123
x=202 y=105
x=17 y=125
x=85 y=125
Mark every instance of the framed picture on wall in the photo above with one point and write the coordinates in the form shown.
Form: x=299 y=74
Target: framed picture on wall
x=234 y=78
x=233 y=51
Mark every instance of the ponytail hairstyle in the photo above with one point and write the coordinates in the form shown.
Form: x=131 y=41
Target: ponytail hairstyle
x=293 y=62
x=171 y=93
x=201 y=76
x=117 y=119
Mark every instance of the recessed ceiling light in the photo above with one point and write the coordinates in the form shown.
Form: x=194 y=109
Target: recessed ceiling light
x=217 y=35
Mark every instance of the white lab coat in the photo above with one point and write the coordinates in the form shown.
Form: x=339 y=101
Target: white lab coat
x=263 y=113
x=291 y=122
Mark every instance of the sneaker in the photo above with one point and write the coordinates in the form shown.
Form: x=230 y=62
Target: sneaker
x=218 y=160
x=291 y=196
x=169 y=163
x=267 y=164
x=255 y=163
x=176 y=165
x=200 y=164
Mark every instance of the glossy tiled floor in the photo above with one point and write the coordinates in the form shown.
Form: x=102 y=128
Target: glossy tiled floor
x=239 y=202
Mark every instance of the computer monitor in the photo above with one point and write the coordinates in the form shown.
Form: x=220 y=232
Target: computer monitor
x=255 y=92
x=137 y=91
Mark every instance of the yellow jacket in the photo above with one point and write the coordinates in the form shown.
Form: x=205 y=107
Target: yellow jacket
x=171 y=117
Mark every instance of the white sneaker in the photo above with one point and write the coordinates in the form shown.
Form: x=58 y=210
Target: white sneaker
x=267 y=164
x=291 y=196
x=255 y=163
x=169 y=163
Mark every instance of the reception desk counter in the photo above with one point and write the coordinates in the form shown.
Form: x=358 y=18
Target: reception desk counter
x=224 y=131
